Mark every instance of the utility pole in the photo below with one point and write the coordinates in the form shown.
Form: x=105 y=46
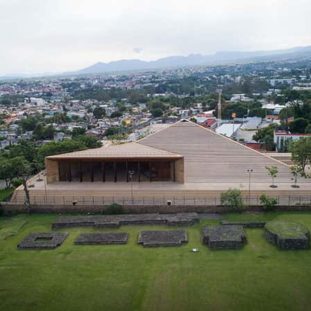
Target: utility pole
x=131 y=174
x=219 y=106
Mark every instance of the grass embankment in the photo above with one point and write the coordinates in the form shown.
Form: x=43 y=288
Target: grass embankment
x=130 y=277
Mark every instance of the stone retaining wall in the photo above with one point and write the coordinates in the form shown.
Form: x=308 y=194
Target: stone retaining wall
x=111 y=221
x=11 y=208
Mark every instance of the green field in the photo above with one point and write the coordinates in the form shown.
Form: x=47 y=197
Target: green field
x=130 y=277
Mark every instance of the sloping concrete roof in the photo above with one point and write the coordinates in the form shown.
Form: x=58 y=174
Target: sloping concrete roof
x=122 y=151
x=213 y=158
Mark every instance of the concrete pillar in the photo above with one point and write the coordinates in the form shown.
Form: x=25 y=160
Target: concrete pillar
x=52 y=170
x=179 y=171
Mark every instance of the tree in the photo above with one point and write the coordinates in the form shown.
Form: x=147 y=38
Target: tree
x=301 y=154
x=64 y=146
x=295 y=171
x=24 y=148
x=257 y=112
x=112 y=131
x=298 y=125
x=77 y=131
x=48 y=132
x=308 y=129
x=157 y=112
x=44 y=132
x=6 y=172
x=99 y=112
x=265 y=136
x=286 y=113
x=240 y=109
x=29 y=124
x=273 y=172
x=233 y=199
x=88 y=141
x=268 y=203
x=116 y=114
x=21 y=168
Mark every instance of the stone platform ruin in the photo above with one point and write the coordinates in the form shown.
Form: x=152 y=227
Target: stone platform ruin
x=287 y=235
x=43 y=240
x=224 y=236
x=245 y=224
x=162 y=238
x=115 y=221
x=106 y=238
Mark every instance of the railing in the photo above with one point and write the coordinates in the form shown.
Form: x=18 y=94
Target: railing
x=288 y=200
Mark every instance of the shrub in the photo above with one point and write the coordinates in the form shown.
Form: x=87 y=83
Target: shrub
x=16 y=182
x=268 y=203
x=233 y=199
x=113 y=209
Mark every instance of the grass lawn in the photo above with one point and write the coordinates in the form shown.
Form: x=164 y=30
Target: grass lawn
x=129 y=277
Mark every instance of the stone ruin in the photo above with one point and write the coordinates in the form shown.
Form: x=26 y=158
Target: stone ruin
x=46 y=240
x=224 y=236
x=106 y=238
x=287 y=235
x=245 y=224
x=115 y=221
x=162 y=238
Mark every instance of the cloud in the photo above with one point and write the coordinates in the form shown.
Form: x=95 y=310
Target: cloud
x=61 y=35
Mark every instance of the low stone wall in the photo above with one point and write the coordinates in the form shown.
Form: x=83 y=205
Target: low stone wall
x=106 y=238
x=245 y=224
x=8 y=208
x=162 y=238
x=43 y=240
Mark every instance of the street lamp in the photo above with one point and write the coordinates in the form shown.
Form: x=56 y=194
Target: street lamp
x=131 y=174
x=249 y=171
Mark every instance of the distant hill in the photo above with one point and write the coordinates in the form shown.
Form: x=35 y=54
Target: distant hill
x=219 y=58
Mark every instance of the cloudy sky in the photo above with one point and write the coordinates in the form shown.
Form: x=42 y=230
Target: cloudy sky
x=62 y=35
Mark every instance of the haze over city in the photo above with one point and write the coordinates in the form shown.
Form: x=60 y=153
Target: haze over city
x=64 y=35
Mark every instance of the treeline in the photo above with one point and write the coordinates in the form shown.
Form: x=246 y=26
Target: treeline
x=29 y=157
x=117 y=94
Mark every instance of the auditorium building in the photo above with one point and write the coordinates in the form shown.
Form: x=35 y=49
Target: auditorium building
x=183 y=160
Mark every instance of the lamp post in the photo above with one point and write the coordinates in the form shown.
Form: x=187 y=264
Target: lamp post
x=45 y=192
x=249 y=171
x=131 y=174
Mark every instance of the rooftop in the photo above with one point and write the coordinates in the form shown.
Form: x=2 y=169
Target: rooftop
x=128 y=150
x=213 y=158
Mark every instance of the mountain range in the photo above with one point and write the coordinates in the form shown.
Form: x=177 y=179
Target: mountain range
x=218 y=58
